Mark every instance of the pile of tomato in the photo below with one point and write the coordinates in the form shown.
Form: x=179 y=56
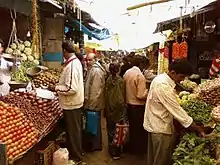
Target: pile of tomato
x=16 y=132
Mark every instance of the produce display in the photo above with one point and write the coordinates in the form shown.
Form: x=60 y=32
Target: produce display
x=216 y=114
x=41 y=112
x=20 y=75
x=198 y=110
x=47 y=78
x=188 y=84
x=24 y=50
x=16 y=131
x=209 y=92
x=193 y=150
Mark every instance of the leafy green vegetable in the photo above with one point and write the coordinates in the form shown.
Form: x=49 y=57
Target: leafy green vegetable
x=193 y=150
x=198 y=110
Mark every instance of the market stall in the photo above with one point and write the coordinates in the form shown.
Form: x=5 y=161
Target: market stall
x=202 y=104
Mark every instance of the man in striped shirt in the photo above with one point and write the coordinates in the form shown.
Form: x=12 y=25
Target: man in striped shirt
x=215 y=68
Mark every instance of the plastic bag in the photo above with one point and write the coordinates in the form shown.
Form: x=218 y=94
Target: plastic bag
x=61 y=156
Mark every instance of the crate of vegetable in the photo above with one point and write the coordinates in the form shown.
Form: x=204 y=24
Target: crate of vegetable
x=43 y=113
x=16 y=131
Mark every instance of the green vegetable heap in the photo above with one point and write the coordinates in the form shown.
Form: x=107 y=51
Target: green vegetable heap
x=198 y=110
x=20 y=74
x=193 y=150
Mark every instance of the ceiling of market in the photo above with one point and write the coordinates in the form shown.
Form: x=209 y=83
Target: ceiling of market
x=136 y=27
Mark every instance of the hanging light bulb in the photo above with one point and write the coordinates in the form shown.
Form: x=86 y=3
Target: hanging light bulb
x=28 y=33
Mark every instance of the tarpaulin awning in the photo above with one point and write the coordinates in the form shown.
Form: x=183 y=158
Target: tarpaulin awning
x=89 y=30
x=169 y=24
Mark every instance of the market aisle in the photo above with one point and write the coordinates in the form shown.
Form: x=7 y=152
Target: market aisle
x=102 y=157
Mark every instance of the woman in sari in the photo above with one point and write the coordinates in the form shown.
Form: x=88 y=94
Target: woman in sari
x=115 y=111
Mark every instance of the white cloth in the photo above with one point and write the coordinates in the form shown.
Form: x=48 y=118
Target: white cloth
x=71 y=92
x=162 y=106
x=5 y=76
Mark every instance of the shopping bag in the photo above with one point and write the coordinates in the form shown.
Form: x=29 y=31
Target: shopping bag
x=92 y=122
x=121 y=134
x=61 y=156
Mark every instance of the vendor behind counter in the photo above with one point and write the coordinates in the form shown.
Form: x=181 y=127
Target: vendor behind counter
x=5 y=68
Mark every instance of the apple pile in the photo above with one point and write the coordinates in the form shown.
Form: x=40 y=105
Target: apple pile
x=16 y=131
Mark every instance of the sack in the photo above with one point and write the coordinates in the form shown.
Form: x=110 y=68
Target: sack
x=92 y=122
x=61 y=156
x=121 y=134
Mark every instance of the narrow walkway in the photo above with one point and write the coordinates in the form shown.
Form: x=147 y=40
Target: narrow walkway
x=102 y=157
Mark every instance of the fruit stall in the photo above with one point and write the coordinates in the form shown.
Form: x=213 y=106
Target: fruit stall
x=30 y=112
x=25 y=120
x=201 y=102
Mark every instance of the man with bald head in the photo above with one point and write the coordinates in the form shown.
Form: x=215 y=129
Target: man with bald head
x=94 y=101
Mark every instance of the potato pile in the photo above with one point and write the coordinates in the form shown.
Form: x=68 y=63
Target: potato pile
x=209 y=92
x=47 y=78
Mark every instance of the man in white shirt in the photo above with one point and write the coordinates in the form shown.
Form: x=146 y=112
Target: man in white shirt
x=136 y=95
x=161 y=108
x=71 y=97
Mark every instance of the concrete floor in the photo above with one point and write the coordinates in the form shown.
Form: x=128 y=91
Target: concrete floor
x=102 y=157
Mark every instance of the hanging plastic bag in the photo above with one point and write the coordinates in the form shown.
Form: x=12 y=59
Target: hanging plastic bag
x=92 y=122
x=61 y=157
x=121 y=134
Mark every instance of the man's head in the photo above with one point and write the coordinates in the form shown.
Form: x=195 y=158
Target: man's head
x=90 y=58
x=114 y=68
x=1 y=46
x=141 y=62
x=180 y=69
x=68 y=49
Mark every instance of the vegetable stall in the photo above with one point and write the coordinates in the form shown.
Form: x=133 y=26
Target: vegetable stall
x=202 y=104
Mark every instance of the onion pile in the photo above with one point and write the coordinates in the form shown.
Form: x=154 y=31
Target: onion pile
x=47 y=78
x=216 y=114
x=41 y=112
x=16 y=131
x=209 y=92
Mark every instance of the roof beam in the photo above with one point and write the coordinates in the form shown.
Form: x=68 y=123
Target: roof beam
x=146 y=4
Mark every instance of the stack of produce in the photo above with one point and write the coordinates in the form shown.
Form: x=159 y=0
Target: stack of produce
x=24 y=50
x=41 y=112
x=20 y=75
x=216 y=114
x=188 y=84
x=16 y=131
x=209 y=92
x=198 y=110
x=193 y=150
x=47 y=78
x=185 y=96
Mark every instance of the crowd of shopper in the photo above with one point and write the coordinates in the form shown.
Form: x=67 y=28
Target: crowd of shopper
x=117 y=88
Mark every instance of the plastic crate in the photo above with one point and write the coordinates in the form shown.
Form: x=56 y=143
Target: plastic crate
x=45 y=156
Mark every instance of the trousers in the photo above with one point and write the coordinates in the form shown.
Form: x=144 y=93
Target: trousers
x=73 y=126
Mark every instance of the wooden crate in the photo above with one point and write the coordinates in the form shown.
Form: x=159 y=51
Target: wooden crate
x=45 y=155
x=3 y=154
